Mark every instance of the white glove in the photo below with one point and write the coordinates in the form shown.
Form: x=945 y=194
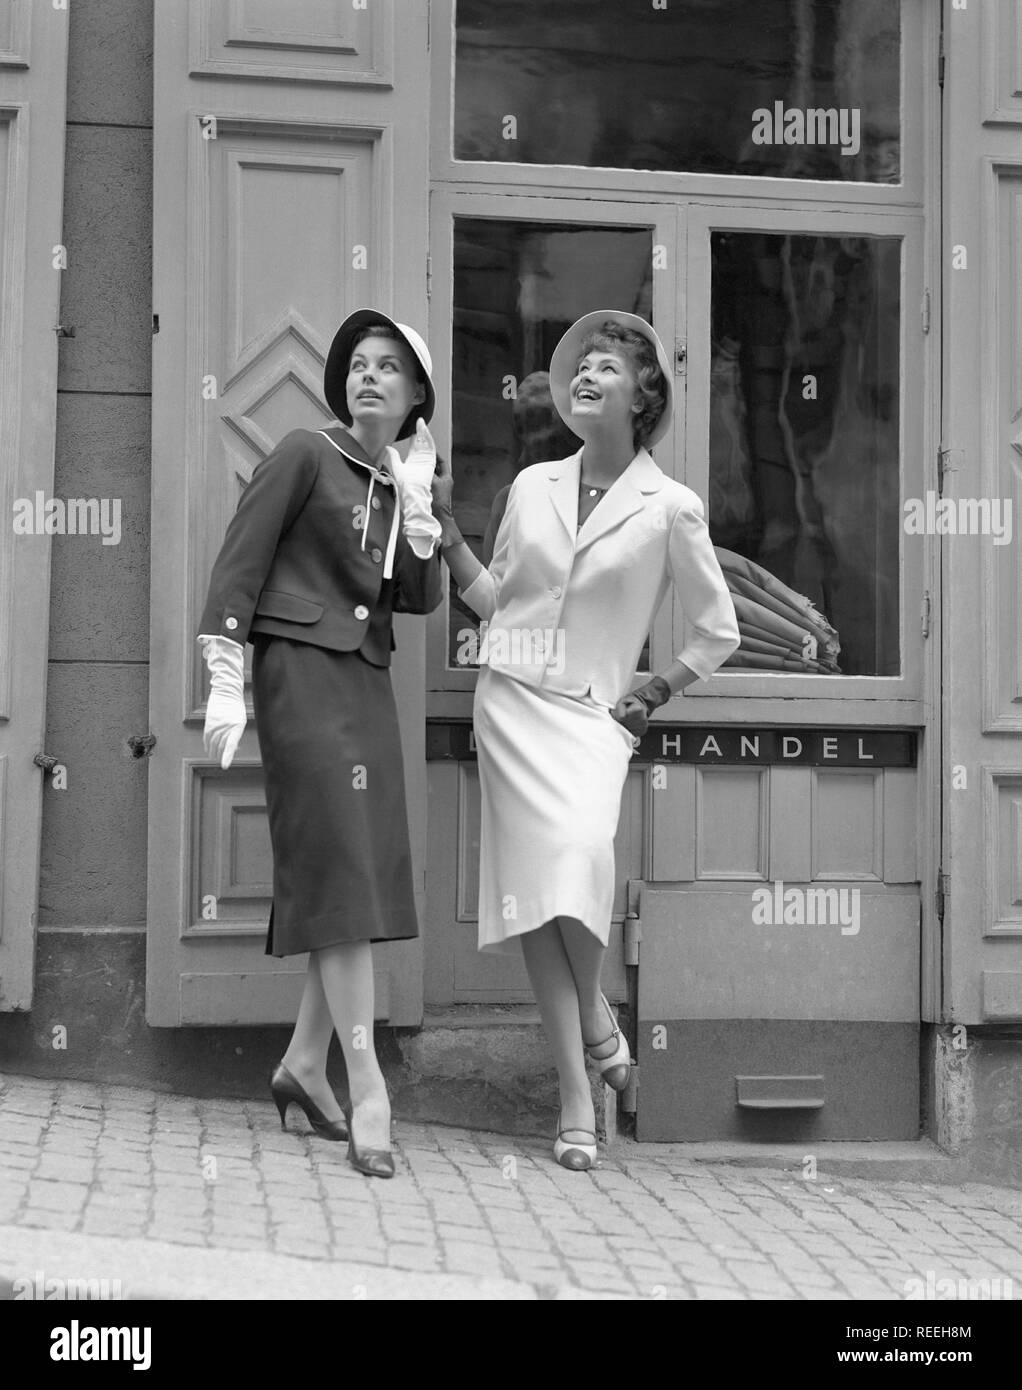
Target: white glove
x=225 y=709
x=414 y=476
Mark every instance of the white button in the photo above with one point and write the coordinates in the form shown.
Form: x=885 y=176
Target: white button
x=232 y=623
x=376 y=504
x=555 y=592
x=361 y=611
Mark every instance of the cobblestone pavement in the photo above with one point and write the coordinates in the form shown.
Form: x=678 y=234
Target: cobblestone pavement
x=106 y=1176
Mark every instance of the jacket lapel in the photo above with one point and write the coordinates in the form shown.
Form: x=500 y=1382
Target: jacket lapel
x=563 y=475
x=623 y=500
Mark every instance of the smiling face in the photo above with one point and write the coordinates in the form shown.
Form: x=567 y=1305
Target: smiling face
x=382 y=384
x=604 y=389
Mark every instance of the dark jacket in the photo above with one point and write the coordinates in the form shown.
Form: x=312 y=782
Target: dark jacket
x=292 y=563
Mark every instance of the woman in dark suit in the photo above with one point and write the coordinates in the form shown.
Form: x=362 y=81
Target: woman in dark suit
x=332 y=535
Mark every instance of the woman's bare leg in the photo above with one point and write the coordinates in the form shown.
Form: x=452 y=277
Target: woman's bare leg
x=554 y=987
x=346 y=975
x=585 y=956
x=307 y=1051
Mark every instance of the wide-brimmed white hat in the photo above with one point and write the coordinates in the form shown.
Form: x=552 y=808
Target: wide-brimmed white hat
x=335 y=373
x=566 y=355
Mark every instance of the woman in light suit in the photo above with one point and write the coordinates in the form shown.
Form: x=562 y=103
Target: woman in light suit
x=586 y=551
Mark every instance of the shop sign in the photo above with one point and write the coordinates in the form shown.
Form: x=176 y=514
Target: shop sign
x=728 y=745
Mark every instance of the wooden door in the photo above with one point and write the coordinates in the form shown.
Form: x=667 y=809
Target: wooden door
x=982 y=571
x=290 y=173
x=33 y=79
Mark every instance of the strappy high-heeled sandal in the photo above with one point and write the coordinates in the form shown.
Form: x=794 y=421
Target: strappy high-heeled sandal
x=578 y=1157
x=615 y=1068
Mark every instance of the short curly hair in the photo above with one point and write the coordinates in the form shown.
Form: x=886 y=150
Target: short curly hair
x=612 y=337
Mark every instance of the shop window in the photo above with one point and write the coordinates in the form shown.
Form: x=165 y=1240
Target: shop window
x=517 y=287
x=802 y=89
x=804 y=475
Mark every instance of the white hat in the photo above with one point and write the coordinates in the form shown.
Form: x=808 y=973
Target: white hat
x=566 y=355
x=335 y=373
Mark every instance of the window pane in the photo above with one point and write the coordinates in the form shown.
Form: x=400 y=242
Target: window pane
x=804 y=424
x=806 y=89
x=517 y=287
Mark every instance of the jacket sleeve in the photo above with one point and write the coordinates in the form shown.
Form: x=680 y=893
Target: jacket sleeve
x=417 y=584
x=278 y=490
x=483 y=593
x=702 y=591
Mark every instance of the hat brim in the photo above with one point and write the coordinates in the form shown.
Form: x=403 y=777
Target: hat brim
x=335 y=373
x=564 y=362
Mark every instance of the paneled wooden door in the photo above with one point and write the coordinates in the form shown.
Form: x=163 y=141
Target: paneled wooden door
x=982 y=439
x=33 y=83
x=290 y=171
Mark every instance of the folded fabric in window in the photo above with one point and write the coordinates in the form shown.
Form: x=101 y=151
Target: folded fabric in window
x=760 y=662
x=780 y=629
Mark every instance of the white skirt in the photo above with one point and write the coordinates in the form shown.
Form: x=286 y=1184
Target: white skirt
x=551 y=772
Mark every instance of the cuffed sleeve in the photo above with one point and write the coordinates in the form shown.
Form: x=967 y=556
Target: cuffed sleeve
x=417 y=584
x=702 y=592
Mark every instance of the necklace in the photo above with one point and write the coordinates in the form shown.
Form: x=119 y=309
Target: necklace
x=591 y=491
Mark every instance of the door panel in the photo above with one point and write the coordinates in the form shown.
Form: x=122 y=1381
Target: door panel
x=33 y=80
x=290 y=188
x=744 y=1017
x=983 y=572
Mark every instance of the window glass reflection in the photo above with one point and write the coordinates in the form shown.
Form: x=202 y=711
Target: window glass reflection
x=806 y=89
x=804 y=441
x=517 y=287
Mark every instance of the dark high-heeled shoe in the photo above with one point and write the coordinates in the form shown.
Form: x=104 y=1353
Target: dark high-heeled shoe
x=375 y=1163
x=285 y=1089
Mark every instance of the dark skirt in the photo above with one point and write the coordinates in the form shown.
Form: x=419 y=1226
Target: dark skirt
x=335 y=797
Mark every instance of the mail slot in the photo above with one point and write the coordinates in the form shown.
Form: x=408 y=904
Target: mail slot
x=780 y=1092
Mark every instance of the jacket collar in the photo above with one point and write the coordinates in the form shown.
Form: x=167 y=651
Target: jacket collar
x=623 y=499
x=352 y=450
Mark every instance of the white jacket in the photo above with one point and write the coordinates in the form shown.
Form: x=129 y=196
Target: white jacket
x=571 y=612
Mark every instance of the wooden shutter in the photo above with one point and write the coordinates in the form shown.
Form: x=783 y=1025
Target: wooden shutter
x=982 y=439
x=290 y=175
x=33 y=82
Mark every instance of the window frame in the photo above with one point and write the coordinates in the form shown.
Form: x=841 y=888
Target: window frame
x=915 y=23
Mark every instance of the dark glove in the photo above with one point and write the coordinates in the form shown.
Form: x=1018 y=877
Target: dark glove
x=633 y=710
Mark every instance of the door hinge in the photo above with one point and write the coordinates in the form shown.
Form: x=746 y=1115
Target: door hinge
x=941 y=64
x=680 y=358
x=632 y=933
x=632 y=937
x=429 y=275
x=924 y=614
x=925 y=315
x=940 y=894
